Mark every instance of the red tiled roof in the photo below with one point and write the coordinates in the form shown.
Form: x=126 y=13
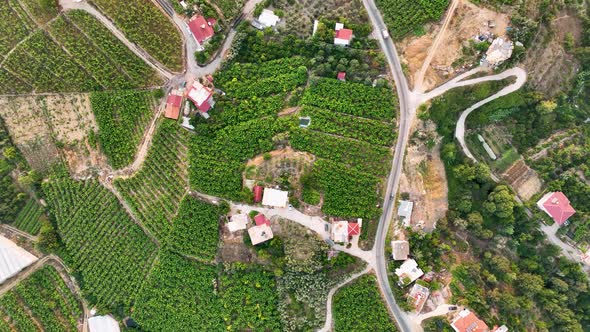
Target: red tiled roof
x=174 y=100
x=559 y=208
x=470 y=323
x=353 y=229
x=204 y=107
x=345 y=34
x=211 y=21
x=260 y=219
x=258 y=190
x=200 y=28
x=341 y=76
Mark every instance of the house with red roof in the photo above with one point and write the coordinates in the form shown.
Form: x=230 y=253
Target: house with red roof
x=201 y=28
x=260 y=219
x=258 y=191
x=173 y=103
x=354 y=228
x=201 y=96
x=341 y=76
x=557 y=206
x=467 y=321
x=343 y=36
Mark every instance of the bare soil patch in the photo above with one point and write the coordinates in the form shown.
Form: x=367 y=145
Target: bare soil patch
x=523 y=179
x=550 y=67
x=469 y=20
x=44 y=127
x=286 y=162
x=424 y=178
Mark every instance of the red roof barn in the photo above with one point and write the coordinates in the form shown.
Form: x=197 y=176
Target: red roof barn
x=353 y=229
x=173 y=106
x=341 y=76
x=258 y=191
x=200 y=28
x=557 y=206
x=260 y=219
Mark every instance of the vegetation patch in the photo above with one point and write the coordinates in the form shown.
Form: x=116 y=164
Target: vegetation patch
x=154 y=193
x=29 y=219
x=109 y=252
x=407 y=16
x=42 y=298
x=122 y=117
x=358 y=307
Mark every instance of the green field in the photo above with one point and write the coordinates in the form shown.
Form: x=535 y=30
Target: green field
x=154 y=193
x=404 y=17
x=28 y=219
x=110 y=253
x=44 y=298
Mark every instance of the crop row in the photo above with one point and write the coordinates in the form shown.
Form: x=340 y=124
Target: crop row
x=195 y=229
x=41 y=10
x=27 y=219
x=237 y=300
x=268 y=85
x=144 y=24
x=101 y=242
x=251 y=72
x=371 y=131
x=352 y=153
x=155 y=192
x=406 y=16
x=43 y=297
x=13 y=28
x=351 y=98
x=122 y=117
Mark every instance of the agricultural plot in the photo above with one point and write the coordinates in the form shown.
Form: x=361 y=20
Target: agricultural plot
x=358 y=307
x=14 y=28
x=408 y=16
x=42 y=11
x=122 y=117
x=195 y=229
x=41 y=301
x=29 y=218
x=143 y=23
x=111 y=254
x=236 y=300
x=155 y=192
x=351 y=98
x=229 y=8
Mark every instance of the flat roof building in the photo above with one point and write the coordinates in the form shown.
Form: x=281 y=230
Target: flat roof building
x=405 y=210
x=418 y=295
x=238 y=222
x=400 y=250
x=340 y=231
x=275 y=198
x=408 y=272
x=260 y=233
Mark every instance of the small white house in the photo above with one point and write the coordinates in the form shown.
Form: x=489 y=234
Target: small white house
x=260 y=233
x=405 y=210
x=238 y=222
x=275 y=198
x=408 y=270
x=268 y=18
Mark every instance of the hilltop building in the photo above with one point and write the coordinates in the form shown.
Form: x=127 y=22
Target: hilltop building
x=342 y=36
x=201 y=96
x=557 y=206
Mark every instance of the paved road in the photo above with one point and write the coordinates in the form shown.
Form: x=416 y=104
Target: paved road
x=407 y=112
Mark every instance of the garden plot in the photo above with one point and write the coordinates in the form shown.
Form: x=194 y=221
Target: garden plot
x=42 y=126
x=277 y=164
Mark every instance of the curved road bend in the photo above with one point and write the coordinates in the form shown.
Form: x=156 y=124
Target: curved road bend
x=407 y=111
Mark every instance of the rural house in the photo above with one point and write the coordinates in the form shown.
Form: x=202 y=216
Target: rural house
x=400 y=250
x=201 y=28
x=341 y=76
x=405 y=210
x=498 y=52
x=418 y=296
x=267 y=19
x=238 y=222
x=260 y=233
x=343 y=36
x=275 y=198
x=557 y=206
x=467 y=321
x=408 y=272
x=201 y=96
x=173 y=103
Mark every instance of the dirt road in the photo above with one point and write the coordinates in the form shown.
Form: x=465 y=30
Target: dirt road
x=418 y=87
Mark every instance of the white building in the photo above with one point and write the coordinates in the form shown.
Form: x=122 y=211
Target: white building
x=499 y=51
x=260 y=233
x=13 y=259
x=340 y=231
x=408 y=270
x=103 y=324
x=275 y=198
x=268 y=18
x=238 y=222
x=202 y=96
x=405 y=210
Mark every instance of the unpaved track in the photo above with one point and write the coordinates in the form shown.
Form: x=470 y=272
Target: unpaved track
x=432 y=50
x=83 y=5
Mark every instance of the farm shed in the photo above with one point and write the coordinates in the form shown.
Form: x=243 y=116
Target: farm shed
x=274 y=197
x=405 y=210
x=13 y=259
x=103 y=324
x=258 y=190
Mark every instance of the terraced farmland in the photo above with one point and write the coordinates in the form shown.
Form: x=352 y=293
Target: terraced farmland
x=28 y=219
